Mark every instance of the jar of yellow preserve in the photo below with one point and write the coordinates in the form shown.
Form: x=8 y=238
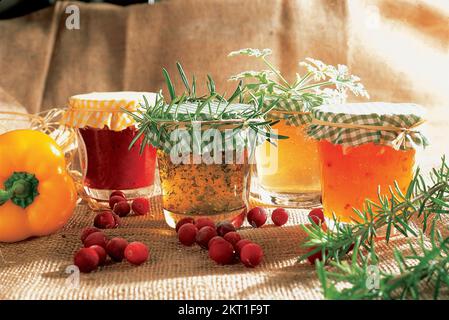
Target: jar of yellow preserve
x=364 y=149
x=288 y=170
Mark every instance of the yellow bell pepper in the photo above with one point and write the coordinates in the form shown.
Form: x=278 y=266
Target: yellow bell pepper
x=37 y=195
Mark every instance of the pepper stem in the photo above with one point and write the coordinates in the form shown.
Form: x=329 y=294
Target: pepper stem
x=20 y=188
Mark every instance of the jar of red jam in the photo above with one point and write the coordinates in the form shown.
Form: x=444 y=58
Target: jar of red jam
x=365 y=149
x=107 y=133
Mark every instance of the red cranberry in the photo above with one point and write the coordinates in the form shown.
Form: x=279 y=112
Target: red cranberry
x=96 y=238
x=136 y=253
x=314 y=257
x=317 y=216
x=203 y=222
x=204 y=235
x=86 y=259
x=251 y=255
x=115 y=199
x=257 y=217
x=239 y=245
x=105 y=220
x=232 y=237
x=122 y=208
x=87 y=231
x=351 y=247
x=117 y=220
x=116 y=248
x=141 y=206
x=215 y=239
x=184 y=221
x=279 y=216
x=101 y=254
x=221 y=252
x=117 y=193
x=225 y=227
x=187 y=234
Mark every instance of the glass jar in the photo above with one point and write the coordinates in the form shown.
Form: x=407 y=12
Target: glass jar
x=205 y=152
x=111 y=165
x=107 y=132
x=288 y=173
x=218 y=191
x=353 y=174
x=370 y=152
x=49 y=122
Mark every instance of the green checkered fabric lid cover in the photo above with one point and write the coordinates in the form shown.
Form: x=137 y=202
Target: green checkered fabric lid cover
x=353 y=124
x=215 y=115
x=290 y=110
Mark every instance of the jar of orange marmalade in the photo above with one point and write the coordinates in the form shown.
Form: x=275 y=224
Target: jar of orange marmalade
x=364 y=149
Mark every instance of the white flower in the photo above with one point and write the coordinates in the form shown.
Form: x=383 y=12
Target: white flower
x=332 y=96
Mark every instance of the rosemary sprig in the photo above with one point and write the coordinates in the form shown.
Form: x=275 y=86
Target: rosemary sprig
x=162 y=117
x=424 y=200
x=361 y=278
x=321 y=84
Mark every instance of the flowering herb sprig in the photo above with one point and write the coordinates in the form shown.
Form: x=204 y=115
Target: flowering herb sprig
x=321 y=84
x=361 y=278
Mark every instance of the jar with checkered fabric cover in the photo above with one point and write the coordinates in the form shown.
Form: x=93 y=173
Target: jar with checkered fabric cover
x=107 y=131
x=205 y=151
x=288 y=174
x=365 y=148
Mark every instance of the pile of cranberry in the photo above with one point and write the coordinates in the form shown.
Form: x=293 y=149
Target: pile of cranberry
x=97 y=246
x=224 y=244
x=120 y=207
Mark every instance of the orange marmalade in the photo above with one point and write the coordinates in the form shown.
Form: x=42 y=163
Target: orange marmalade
x=364 y=148
x=351 y=175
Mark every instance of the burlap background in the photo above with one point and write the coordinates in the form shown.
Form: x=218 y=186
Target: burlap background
x=400 y=52
x=399 y=48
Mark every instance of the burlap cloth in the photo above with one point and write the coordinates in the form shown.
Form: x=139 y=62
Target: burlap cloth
x=35 y=269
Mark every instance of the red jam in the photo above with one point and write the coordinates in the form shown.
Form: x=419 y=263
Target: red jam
x=111 y=166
